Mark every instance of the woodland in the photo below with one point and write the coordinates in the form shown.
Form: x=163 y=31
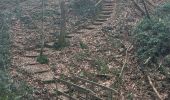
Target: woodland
x=84 y=49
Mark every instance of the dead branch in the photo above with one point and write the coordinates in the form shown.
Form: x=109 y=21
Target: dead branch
x=138 y=7
x=150 y=3
x=125 y=62
x=149 y=79
x=153 y=87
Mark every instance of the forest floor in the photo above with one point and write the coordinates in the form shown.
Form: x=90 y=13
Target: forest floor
x=94 y=53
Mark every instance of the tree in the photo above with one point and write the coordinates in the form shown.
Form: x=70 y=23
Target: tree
x=61 y=39
x=42 y=58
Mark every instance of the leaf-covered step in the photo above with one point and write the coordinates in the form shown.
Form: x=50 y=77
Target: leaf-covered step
x=35 y=68
x=45 y=76
x=109 y=1
x=108 y=4
x=107 y=9
x=106 y=12
x=89 y=27
x=103 y=16
x=97 y=23
x=101 y=20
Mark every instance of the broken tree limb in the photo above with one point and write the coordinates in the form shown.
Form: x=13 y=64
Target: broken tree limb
x=138 y=7
x=150 y=3
x=153 y=87
x=124 y=63
x=149 y=79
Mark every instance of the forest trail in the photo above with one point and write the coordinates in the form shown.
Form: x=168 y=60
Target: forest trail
x=24 y=56
x=65 y=62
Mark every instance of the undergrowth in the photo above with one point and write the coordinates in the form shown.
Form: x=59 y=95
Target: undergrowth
x=152 y=37
x=9 y=89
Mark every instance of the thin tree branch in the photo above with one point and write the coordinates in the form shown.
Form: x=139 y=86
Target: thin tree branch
x=153 y=87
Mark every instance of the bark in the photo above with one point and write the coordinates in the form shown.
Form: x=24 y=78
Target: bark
x=42 y=33
x=62 y=24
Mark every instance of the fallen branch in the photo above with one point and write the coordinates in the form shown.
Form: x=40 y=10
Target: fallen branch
x=149 y=79
x=150 y=3
x=138 y=7
x=153 y=87
x=125 y=62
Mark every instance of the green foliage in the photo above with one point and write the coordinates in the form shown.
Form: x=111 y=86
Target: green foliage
x=4 y=41
x=83 y=45
x=42 y=59
x=152 y=39
x=101 y=66
x=81 y=56
x=13 y=90
x=9 y=90
x=164 y=9
x=167 y=61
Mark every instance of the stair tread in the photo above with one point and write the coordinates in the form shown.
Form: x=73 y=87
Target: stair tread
x=44 y=76
x=101 y=19
x=97 y=23
x=36 y=68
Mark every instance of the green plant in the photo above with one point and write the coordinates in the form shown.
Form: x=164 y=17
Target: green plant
x=101 y=66
x=152 y=39
x=83 y=45
x=11 y=90
x=167 y=61
x=81 y=56
x=42 y=59
x=59 y=46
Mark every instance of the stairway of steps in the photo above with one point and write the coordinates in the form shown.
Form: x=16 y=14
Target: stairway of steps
x=25 y=60
x=102 y=17
x=42 y=72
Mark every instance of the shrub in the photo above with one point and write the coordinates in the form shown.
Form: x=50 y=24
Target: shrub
x=101 y=66
x=10 y=90
x=81 y=56
x=42 y=59
x=83 y=45
x=152 y=39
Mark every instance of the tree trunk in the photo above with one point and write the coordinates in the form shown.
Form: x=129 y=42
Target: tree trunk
x=42 y=33
x=62 y=23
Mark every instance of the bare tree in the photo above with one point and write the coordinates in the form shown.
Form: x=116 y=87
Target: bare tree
x=62 y=40
x=42 y=33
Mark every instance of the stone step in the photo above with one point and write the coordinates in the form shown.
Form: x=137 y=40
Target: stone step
x=35 y=68
x=108 y=5
x=97 y=23
x=80 y=32
x=46 y=76
x=106 y=12
x=107 y=9
x=109 y=1
x=89 y=27
x=103 y=16
x=31 y=54
x=101 y=20
x=49 y=45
